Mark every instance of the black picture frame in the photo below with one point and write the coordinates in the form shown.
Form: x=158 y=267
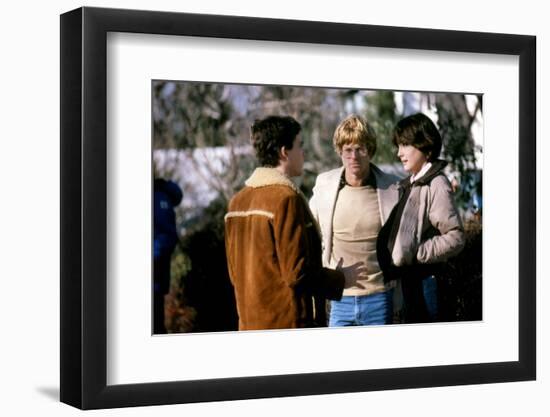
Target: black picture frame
x=84 y=207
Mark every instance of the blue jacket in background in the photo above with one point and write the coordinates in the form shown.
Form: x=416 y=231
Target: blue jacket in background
x=167 y=195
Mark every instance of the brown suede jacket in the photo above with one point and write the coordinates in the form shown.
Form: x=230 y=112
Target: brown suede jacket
x=274 y=256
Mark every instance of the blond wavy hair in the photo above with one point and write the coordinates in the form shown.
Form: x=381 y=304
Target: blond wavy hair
x=354 y=130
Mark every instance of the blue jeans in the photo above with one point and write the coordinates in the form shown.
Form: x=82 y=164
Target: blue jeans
x=429 y=288
x=362 y=310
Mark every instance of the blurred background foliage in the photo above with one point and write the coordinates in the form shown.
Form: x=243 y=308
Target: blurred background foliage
x=201 y=141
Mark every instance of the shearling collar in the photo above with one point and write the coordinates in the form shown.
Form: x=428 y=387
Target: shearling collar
x=262 y=177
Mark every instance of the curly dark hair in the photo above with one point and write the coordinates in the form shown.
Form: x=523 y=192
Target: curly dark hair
x=270 y=134
x=419 y=131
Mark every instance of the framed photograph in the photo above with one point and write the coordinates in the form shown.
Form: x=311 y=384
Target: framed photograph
x=156 y=110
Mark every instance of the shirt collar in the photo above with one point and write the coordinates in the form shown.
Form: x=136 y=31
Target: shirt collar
x=420 y=173
x=370 y=180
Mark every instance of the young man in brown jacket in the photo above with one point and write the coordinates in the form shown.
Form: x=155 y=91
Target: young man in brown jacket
x=272 y=241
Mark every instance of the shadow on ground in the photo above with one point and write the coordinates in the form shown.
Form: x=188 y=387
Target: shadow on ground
x=50 y=392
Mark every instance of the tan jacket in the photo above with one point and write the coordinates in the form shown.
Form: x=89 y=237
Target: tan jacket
x=430 y=228
x=274 y=256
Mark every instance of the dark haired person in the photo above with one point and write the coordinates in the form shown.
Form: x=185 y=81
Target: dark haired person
x=424 y=228
x=351 y=204
x=272 y=243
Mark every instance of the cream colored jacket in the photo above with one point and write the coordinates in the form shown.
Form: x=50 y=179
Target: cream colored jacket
x=325 y=193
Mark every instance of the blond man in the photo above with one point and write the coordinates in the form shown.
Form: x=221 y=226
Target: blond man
x=351 y=203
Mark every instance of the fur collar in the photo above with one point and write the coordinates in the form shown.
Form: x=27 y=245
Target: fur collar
x=262 y=177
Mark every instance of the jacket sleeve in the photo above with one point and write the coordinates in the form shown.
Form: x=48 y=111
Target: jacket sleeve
x=289 y=231
x=314 y=203
x=332 y=284
x=444 y=217
x=300 y=266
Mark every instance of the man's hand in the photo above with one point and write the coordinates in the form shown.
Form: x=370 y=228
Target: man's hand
x=352 y=272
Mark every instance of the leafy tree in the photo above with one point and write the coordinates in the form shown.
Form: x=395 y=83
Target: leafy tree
x=187 y=115
x=381 y=114
x=455 y=122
